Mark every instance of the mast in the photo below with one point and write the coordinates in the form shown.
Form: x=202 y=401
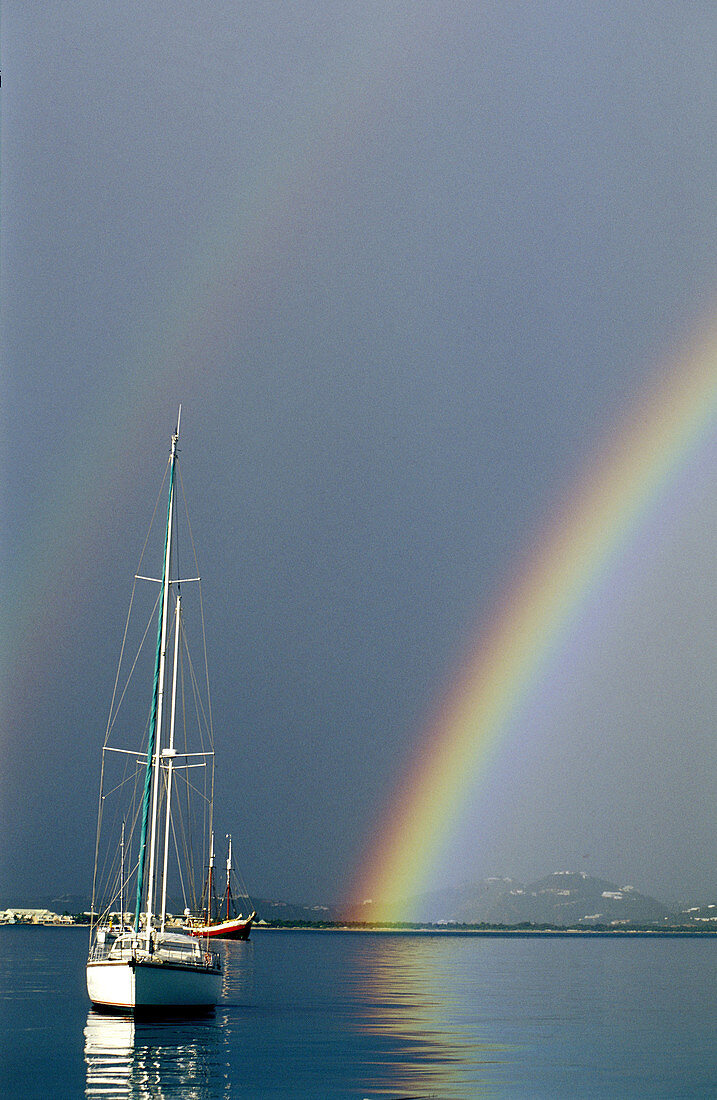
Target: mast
x=168 y=754
x=210 y=883
x=122 y=880
x=155 y=723
x=229 y=871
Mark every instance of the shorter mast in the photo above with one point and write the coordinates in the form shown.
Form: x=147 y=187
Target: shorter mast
x=210 y=880
x=168 y=754
x=122 y=880
x=229 y=872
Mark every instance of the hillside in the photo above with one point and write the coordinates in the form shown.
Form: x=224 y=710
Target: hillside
x=564 y=899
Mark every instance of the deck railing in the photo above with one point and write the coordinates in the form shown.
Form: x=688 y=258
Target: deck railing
x=113 y=952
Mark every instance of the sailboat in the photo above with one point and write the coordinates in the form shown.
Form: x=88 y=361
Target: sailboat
x=147 y=961
x=228 y=924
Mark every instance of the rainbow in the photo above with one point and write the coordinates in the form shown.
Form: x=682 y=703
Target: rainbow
x=541 y=616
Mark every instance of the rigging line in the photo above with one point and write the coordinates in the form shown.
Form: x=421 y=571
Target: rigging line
x=176 y=565
x=134 y=663
x=114 y=890
x=188 y=855
x=200 y=794
x=135 y=808
x=209 y=706
x=241 y=883
x=121 y=784
x=202 y=713
x=179 y=863
x=177 y=778
x=99 y=875
x=104 y=874
x=201 y=603
x=202 y=725
x=112 y=712
x=113 y=885
x=135 y=774
x=108 y=730
x=133 y=868
x=97 y=850
x=188 y=831
x=204 y=639
x=154 y=513
x=105 y=877
x=202 y=717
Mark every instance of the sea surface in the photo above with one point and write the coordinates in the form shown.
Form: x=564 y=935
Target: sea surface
x=332 y=1014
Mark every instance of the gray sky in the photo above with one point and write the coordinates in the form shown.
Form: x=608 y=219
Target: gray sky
x=405 y=266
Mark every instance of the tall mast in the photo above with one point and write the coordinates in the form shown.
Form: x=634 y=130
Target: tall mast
x=155 y=723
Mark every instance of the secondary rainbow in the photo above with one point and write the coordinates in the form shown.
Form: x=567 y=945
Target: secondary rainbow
x=541 y=612
x=229 y=271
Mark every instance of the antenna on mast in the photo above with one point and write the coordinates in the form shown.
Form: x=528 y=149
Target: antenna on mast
x=179 y=417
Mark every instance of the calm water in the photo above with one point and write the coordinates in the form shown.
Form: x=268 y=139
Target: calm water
x=321 y=1015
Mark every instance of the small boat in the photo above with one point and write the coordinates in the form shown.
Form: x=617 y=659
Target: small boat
x=228 y=925
x=147 y=962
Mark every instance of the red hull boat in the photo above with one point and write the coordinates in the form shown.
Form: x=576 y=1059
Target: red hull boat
x=227 y=925
x=237 y=929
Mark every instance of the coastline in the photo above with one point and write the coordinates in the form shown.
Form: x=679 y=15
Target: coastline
x=496 y=933
x=429 y=930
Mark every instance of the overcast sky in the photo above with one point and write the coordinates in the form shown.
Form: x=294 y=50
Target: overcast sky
x=405 y=265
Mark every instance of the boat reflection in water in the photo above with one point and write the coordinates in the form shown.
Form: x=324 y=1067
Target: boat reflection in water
x=160 y=1059
x=238 y=973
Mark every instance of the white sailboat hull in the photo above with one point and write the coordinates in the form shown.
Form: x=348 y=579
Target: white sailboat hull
x=131 y=985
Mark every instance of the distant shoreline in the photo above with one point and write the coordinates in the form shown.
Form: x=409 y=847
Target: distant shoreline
x=431 y=930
